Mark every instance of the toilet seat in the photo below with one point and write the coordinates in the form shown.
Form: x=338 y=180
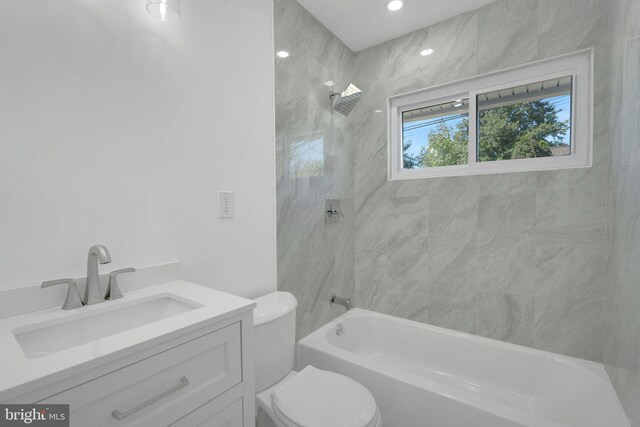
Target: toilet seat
x=317 y=398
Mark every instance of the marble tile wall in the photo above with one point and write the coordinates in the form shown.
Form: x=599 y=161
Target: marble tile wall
x=315 y=259
x=517 y=257
x=622 y=292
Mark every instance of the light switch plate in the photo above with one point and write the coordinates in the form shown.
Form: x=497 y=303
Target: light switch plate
x=225 y=204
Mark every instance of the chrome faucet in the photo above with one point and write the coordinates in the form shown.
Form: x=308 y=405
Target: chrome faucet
x=73 y=299
x=345 y=302
x=93 y=292
x=113 y=290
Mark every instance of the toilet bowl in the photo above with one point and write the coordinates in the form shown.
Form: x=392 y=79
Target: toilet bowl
x=311 y=397
x=317 y=398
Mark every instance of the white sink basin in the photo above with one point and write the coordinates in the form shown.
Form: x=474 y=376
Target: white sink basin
x=45 y=338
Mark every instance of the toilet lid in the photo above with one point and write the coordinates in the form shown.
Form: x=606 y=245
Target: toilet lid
x=316 y=398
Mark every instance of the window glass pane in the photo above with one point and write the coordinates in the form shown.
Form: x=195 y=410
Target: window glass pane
x=436 y=135
x=528 y=121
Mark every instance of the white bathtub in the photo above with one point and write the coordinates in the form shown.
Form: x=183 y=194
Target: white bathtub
x=422 y=375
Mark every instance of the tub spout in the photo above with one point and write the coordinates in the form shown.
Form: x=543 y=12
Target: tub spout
x=345 y=302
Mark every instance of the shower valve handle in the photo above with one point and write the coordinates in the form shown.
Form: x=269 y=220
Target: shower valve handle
x=335 y=212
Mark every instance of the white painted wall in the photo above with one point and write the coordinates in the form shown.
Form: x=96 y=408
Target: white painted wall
x=119 y=129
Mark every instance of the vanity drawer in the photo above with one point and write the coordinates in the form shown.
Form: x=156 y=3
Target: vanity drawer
x=211 y=416
x=160 y=389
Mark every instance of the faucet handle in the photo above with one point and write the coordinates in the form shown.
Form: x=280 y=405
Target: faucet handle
x=113 y=290
x=73 y=299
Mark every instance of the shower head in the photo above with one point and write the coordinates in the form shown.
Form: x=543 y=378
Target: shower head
x=343 y=102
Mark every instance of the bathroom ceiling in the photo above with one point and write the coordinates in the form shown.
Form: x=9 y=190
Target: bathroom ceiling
x=365 y=23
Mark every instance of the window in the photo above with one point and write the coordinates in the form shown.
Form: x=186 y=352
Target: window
x=436 y=135
x=528 y=121
x=533 y=117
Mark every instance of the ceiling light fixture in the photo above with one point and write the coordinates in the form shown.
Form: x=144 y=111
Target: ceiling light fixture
x=283 y=54
x=426 y=52
x=395 y=5
x=164 y=10
x=329 y=83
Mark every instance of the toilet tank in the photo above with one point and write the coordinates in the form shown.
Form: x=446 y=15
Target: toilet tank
x=275 y=330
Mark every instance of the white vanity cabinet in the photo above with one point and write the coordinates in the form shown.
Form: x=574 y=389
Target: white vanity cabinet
x=200 y=375
x=211 y=415
x=163 y=388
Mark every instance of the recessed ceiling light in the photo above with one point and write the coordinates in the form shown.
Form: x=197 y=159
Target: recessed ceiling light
x=395 y=5
x=283 y=54
x=329 y=83
x=378 y=111
x=164 y=10
x=426 y=52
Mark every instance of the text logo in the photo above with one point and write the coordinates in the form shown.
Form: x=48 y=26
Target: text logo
x=34 y=415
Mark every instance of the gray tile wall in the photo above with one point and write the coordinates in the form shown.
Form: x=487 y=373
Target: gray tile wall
x=314 y=258
x=517 y=257
x=622 y=333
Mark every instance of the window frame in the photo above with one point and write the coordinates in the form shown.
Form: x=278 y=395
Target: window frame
x=579 y=65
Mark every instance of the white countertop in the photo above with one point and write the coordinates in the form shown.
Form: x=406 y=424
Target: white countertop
x=19 y=374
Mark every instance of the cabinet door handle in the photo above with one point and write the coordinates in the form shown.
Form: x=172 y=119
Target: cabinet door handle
x=122 y=415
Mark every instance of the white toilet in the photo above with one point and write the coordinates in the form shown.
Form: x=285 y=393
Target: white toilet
x=311 y=397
